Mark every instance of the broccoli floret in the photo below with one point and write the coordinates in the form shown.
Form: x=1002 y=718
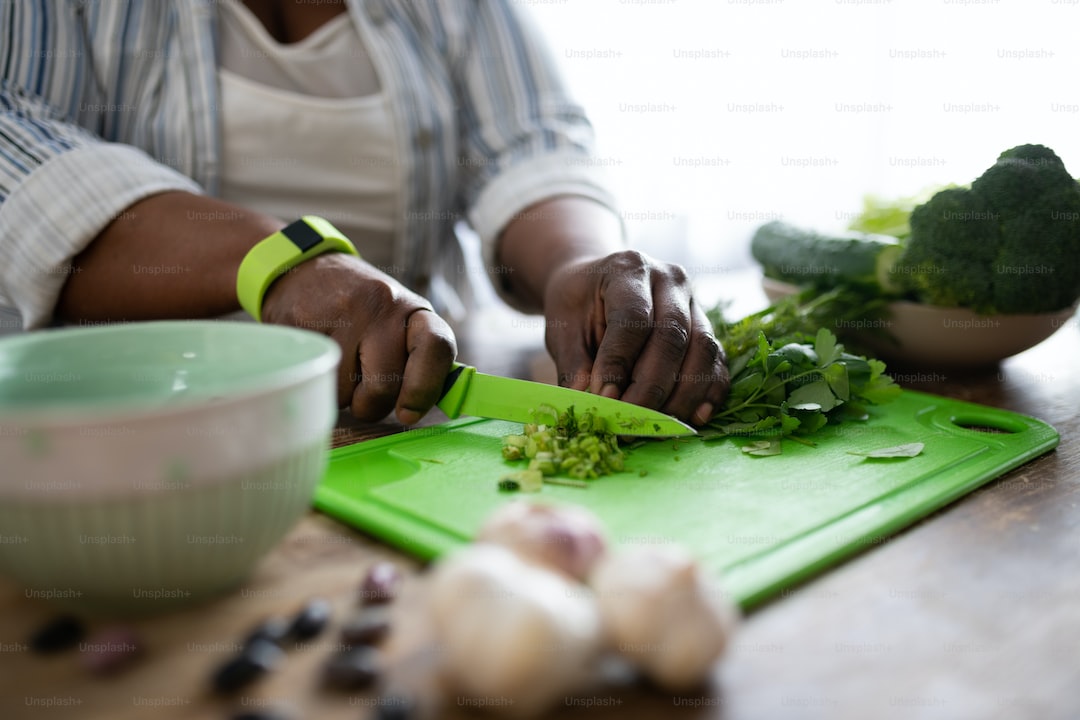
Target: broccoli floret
x=1039 y=264
x=1010 y=244
x=954 y=238
x=1021 y=177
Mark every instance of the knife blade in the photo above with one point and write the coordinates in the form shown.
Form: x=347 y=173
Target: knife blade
x=469 y=392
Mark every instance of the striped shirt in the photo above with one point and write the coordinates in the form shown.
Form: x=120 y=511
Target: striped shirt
x=103 y=103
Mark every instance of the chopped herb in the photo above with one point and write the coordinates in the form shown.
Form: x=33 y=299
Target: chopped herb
x=567 y=483
x=523 y=480
x=565 y=444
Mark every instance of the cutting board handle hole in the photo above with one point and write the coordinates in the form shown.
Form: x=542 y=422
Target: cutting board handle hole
x=988 y=425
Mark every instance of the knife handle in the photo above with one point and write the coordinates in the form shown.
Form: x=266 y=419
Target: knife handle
x=455 y=387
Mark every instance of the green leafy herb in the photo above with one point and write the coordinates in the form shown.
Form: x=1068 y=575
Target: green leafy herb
x=796 y=388
x=762 y=448
x=797 y=318
x=899 y=451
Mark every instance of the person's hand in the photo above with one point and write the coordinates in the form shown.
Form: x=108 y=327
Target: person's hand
x=396 y=352
x=626 y=326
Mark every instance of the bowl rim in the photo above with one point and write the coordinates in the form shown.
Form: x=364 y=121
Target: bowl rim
x=61 y=415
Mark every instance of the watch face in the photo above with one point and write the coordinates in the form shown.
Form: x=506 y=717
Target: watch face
x=302 y=235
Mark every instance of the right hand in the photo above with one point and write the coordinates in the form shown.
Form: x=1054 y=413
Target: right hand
x=396 y=352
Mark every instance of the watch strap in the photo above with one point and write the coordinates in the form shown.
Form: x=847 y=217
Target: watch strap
x=272 y=257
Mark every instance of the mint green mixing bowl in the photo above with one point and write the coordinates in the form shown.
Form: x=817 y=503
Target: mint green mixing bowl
x=150 y=465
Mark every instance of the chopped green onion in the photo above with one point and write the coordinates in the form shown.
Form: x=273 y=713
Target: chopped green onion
x=566 y=444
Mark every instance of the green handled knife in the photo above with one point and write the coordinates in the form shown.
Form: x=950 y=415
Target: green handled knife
x=468 y=392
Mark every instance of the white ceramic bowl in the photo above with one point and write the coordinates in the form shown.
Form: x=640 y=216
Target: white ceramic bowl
x=932 y=336
x=149 y=465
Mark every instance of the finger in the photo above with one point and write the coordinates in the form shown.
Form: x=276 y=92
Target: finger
x=573 y=322
x=656 y=371
x=569 y=344
x=703 y=380
x=379 y=372
x=628 y=315
x=431 y=349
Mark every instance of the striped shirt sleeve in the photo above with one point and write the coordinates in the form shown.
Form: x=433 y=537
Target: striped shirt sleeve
x=60 y=184
x=524 y=138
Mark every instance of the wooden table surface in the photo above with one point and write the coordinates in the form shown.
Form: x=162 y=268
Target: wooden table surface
x=972 y=613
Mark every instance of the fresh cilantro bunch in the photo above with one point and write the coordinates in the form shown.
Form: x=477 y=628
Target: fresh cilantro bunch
x=788 y=388
x=797 y=317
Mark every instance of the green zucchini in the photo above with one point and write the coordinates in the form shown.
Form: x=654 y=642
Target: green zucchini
x=804 y=257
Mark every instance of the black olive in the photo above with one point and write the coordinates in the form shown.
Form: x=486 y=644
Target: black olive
x=259 y=715
x=368 y=627
x=111 y=649
x=394 y=707
x=274 y=630
x=59 y=634
x=353 y=669
x=258 y=658
x=310 y=620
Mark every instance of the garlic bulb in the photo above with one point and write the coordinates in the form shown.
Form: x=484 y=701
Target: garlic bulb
x=513 y=636
x=662 y=613
x=565 y=538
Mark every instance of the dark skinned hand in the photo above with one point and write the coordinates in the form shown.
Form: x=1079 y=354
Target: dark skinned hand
x=396 y=352
x=626 y=326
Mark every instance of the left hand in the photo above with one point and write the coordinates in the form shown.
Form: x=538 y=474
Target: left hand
x=626 y=326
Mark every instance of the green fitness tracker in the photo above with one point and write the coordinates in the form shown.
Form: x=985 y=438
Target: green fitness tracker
x=271 y=258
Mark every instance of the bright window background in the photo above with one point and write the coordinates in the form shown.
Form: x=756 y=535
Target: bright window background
x=796 y=109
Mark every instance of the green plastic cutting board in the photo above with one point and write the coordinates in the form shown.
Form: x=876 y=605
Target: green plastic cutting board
x=763 y=523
